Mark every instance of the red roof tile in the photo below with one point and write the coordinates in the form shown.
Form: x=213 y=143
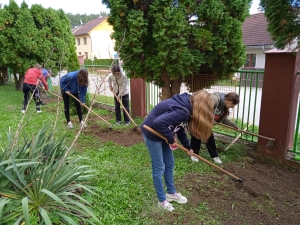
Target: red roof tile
x=255 y=31
x=86 y=28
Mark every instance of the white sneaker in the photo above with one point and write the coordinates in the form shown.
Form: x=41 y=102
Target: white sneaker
x=23 y=111
x=82 y=124
x=39 y=111
x=70 y=125
x=217 y=160
x=177 y=197
x=166 y=206
x=194 y=159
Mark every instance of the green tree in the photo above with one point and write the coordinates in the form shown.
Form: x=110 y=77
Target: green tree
x=35 y=35
x=78 y=19
x=284 y=23
x=165 y=40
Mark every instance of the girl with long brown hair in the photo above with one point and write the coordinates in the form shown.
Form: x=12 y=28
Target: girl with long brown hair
x=75 y=83
x=222 y=104
x=169 y=117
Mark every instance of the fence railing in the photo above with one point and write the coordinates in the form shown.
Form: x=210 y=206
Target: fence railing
x=247 y=83
x=296 y=148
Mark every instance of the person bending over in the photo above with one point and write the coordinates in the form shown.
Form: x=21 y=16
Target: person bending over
x=32 y=78
x=222 y=104
x=169 y=117
x=75 y=83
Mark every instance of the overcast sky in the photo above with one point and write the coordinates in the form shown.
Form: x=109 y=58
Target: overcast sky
x=69 y=6
x=84 y=6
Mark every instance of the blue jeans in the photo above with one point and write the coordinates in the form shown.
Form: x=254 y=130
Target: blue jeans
x=162 y=164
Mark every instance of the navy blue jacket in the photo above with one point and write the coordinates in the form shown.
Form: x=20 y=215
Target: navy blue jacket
x=69 y=82
x=168 y=117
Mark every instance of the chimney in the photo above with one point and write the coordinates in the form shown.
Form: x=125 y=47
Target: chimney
x=259 y=10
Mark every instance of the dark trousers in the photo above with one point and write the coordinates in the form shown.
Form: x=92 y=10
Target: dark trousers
x=66 y=99
x=31 y=88
x=210 y=145
x=125 y=102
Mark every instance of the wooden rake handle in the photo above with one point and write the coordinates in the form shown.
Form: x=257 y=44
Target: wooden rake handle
x=119 y=100
x=84 y=105
x=190 y=153
x=246 y=132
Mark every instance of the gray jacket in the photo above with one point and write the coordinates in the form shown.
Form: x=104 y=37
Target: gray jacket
x=219 y=109
x=119 y=84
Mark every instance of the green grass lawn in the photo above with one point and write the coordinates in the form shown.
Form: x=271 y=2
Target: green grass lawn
x=124 y=182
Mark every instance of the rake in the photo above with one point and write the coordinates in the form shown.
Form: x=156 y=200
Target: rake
x=136 y=128
x=235 y=178
x=109 y=127
x=270 y=142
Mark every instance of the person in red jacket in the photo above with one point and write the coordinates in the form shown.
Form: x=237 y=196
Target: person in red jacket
x=32 y=78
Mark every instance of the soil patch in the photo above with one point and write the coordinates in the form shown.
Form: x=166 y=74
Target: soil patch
x=49 y=99
x=124 y=137
x=268 y=194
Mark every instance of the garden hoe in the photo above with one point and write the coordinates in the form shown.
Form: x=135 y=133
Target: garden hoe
x=237 y=137
x=136 y=128
x=109 y=128
x=109 y=125
x=199 y=157
x=270 y=142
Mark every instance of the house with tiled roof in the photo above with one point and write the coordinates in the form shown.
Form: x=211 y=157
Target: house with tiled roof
x=257 y=40
x=93 y=39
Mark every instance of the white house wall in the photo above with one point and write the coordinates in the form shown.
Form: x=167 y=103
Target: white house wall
x=260 y=56
x=102 y=44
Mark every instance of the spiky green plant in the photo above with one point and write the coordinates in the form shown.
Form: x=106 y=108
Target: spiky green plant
x=33 y=187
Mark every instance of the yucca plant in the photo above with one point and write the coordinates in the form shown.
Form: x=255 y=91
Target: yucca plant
x=39 y=186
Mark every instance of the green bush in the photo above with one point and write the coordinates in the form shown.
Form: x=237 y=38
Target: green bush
x=39 y=185
x=102 y=62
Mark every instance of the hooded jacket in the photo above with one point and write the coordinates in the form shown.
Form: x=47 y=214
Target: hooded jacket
x=219 y=104
x=169 y=117
x=34 y=76
x=119 y=84
x=69 y=82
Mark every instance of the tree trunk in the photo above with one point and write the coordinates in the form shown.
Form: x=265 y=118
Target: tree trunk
x=170 y=87
x=18 y=81
x=3 y=75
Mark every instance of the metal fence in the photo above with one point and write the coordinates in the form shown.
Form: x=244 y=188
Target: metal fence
x=248 y=84
x=296 y=148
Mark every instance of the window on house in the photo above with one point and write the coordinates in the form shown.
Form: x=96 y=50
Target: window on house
x=86 y=55
x=250 y=60
x=78 y=41
x=79 y=53
x=84 y=41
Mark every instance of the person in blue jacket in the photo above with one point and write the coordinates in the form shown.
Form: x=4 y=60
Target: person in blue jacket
x=75 y=83
x=46 y=73
x=169 y=117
